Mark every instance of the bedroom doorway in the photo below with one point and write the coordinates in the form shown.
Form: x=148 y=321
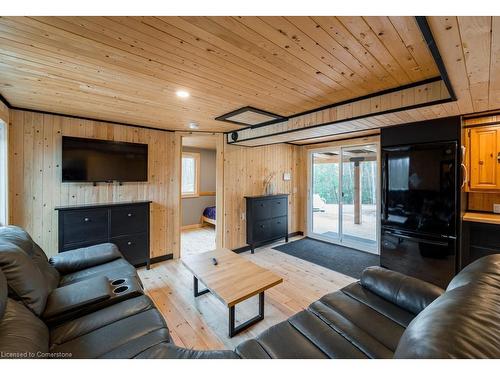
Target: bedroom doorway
x=199 y=176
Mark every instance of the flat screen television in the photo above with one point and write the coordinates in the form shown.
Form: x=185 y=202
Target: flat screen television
x=92 y=160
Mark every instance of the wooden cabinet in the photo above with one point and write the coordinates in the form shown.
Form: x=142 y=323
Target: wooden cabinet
x=267 y=219
x=124 y=224
x=484 y=158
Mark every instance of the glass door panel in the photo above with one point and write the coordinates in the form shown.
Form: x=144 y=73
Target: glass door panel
x=359 y=195
x=325 y=194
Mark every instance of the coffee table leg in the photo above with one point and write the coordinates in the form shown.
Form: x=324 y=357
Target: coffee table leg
x=235 y=330
x=196 y=292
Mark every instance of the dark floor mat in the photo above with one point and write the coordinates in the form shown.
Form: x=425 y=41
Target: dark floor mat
x=338 y=258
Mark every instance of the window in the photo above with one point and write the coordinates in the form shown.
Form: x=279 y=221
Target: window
x=190 y=174
x=3 y=173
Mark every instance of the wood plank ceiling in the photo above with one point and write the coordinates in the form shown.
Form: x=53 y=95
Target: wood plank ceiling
x=470 y=48
x=128 y=69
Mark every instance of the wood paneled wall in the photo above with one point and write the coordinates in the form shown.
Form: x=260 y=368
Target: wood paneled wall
x=244 y=172
x=35 y=186
x=4 y=113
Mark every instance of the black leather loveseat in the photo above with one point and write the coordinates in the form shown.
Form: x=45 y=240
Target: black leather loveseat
x=384 y=315
x=68 y=308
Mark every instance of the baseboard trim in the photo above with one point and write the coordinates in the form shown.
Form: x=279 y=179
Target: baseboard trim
x=162 y=258
x=240 y=250
x=191 y=226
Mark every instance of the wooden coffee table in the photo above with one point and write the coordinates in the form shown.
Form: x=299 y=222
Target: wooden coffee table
x=233 y=280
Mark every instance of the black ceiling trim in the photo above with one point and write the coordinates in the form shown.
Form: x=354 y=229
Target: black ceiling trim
x=332 y=135
x=481 y=125
x=107 y=121
x=369 y=96
x=5 y=101
x=224 y=117
x=88 y=118
x=436 y=55
x=414 y=106
x=431 y=43
x=473 y=115
x=349 y=101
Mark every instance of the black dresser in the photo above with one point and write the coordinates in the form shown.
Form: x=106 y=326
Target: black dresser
x=124 y=224
x=267 y=219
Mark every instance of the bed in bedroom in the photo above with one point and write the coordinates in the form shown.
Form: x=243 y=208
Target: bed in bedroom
x=208 y=215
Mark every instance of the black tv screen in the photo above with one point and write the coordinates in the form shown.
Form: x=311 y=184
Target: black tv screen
x=91 y=160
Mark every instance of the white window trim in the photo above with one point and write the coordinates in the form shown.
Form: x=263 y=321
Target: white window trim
x=4 y=174
x=196 y=157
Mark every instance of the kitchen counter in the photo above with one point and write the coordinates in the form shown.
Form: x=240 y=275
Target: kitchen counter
x=482 y=217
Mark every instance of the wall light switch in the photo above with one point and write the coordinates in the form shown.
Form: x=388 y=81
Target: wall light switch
x=496 y=208
x=287 y=176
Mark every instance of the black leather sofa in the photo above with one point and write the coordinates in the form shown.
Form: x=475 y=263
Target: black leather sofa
x=66 y=308
x=387 y=315
x=384 y=315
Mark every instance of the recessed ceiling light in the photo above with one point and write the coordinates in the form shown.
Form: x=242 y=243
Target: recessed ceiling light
x=193 y=125
x=182 y=94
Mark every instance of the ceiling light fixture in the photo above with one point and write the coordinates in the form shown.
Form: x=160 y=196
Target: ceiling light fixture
x=193 y=125
x=182 y=94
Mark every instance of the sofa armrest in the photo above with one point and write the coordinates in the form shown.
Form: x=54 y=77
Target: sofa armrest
x=407 y=292
x=85 y=257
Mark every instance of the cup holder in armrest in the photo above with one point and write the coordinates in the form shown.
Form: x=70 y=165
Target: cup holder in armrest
x=117 y=282
x=121 y=289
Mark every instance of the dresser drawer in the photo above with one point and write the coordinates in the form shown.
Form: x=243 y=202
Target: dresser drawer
x=85 y=226
x=261 y=209
x=278 y=207
x=279 y=226
x=134 y=248
x=262 y=230
x=129 y=220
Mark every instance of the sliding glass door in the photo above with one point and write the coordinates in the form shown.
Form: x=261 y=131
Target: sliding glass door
x=343 y=201
x=325 y=197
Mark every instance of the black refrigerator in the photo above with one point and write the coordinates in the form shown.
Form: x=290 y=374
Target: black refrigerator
x=420 y=199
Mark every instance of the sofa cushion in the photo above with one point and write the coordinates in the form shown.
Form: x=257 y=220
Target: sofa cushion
x=170 y=351
x=23 y=240
x=331 y=342
x=123 y=338
x=463 y=322
x=138 y=344
x=276 y=342
x=25 y=280
x=112 y=270
x=379 y=304
x=372 y=332
x=81 y=326
x=3 y=293
x=251 y=349
x=486 y=268
x=365 y=342
x=21 y=332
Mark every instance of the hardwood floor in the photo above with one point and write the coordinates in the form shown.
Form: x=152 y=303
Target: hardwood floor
x=197 y=240
x=202 y=322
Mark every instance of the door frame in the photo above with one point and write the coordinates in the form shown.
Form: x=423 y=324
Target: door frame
x=219 y=188
x=309 y=222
